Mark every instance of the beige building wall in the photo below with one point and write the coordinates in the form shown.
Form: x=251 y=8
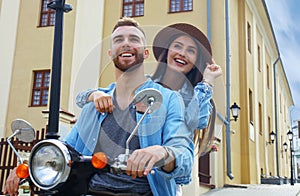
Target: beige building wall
x=33 y=51
x=86 y=53
x=284 y=102
x=0 y=6
x=270 y=151
x=9 y=18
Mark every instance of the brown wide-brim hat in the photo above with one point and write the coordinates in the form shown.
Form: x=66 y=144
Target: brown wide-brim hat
x=162 y=39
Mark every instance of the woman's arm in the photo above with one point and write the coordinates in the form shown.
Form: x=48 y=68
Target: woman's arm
x=102 y=101
x=200 y=105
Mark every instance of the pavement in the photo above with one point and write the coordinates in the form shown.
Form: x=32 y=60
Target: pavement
x=256 y=190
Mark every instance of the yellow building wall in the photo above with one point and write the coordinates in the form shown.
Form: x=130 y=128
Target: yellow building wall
x=34 y=52
x=235 y=32
x=8 y=30
x=270 y=161
x=260 y=87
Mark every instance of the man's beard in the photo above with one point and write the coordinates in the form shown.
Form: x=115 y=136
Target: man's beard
x=133 y=66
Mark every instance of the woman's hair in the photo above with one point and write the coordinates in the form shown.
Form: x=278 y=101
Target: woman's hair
x=202 y=139
x=195 y=74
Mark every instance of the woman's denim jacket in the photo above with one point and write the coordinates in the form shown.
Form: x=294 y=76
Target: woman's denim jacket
x=164 y=126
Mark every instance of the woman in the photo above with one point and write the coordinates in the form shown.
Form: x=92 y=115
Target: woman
x=183 y=53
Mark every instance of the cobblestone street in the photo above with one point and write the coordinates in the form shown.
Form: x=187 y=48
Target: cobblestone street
x=257 y=190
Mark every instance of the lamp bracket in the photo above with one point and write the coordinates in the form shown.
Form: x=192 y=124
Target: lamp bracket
x=54 y=5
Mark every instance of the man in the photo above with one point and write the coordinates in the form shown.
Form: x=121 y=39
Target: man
x=163 y=134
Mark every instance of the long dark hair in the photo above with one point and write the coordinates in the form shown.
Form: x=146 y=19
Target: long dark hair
x=194 y=75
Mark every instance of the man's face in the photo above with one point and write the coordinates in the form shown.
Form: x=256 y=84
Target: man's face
x=127 y=48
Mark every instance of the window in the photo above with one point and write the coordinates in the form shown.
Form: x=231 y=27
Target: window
x=40 y=89
x=258 y=58
x=268 y=77
x=250 y=106
x=47 y=15
x=181 y=5
x=133 y=8
x=260 y=119
x=249 y=36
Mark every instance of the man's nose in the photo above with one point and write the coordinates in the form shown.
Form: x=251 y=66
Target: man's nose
x=126 y=42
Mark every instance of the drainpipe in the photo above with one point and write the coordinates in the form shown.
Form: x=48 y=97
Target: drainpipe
x=228 y=144
x=227 y=120
x=275 y=106
x=208 y=20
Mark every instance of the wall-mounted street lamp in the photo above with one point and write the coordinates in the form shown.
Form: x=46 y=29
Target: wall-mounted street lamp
x=235 y=111
x=272 y=138
x=290 y=136
x=285 y=146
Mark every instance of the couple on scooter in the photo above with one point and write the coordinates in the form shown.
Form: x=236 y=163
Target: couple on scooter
x=165 y=138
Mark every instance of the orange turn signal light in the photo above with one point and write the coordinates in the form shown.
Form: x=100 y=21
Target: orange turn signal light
x=99 y=160
x=22 y=171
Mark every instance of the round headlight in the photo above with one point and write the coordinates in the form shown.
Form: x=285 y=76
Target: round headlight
x=48 y=164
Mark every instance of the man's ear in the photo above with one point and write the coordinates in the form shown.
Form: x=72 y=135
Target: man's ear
x=146 y=53
x=109 y=52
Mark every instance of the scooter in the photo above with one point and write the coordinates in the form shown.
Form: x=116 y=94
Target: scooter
x=57 y=169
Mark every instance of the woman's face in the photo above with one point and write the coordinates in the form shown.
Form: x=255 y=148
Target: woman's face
x=182 y=54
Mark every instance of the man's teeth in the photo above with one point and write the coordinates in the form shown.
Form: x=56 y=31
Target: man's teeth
x=180 y=61
x=126 y=55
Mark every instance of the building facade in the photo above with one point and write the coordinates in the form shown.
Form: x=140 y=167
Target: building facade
x=243 y=43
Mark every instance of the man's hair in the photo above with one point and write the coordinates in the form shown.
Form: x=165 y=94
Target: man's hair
x=125 y=21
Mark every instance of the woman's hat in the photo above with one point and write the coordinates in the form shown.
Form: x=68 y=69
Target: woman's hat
x=162 y=39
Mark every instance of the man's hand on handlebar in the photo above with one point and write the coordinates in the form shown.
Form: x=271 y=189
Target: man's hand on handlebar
x=12 y=184
x=143 y=160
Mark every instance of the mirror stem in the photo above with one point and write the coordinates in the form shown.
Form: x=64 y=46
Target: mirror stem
x=135 y=130
x=11 y=145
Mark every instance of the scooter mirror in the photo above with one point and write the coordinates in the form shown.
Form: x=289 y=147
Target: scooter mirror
x=23 y=130
x=148 y=97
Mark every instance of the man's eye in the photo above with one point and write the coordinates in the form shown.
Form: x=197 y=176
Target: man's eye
x=118 y=40
x=135 y=40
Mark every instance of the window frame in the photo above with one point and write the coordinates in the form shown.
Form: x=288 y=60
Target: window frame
x=259 y=58
x=133 y=3
x=260 y=120
x=40 y=88
x=48 y=12
x=249 y=37
x=250 y=106
x=181 y=6
x=268 y=76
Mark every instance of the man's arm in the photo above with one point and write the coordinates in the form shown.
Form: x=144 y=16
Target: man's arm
x=12 y=183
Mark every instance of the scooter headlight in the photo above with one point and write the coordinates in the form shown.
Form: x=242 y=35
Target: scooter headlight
x=48 y=164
